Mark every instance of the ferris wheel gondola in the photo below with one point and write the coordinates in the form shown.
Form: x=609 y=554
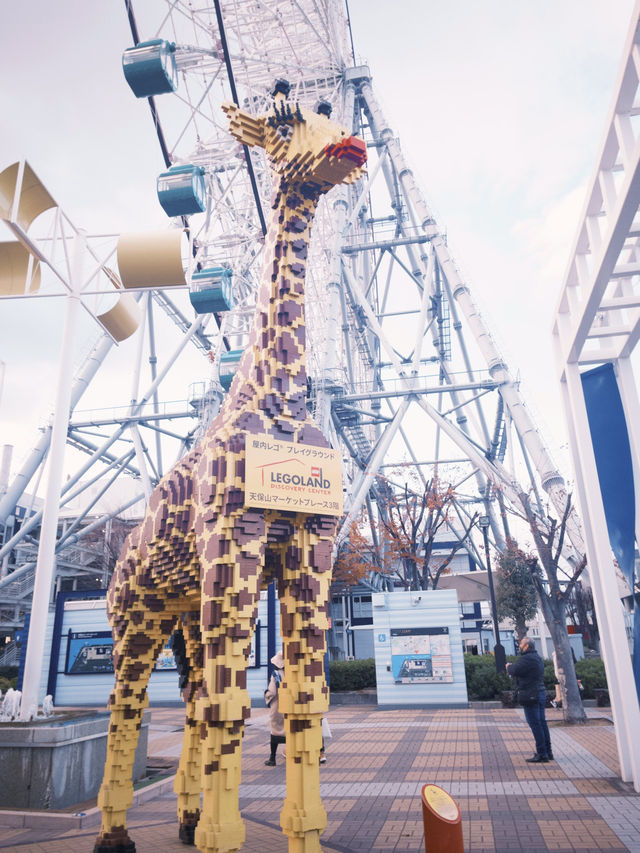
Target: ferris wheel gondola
x=150 y=68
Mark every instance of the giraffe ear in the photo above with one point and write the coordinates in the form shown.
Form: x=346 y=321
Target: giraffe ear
x=244 y=127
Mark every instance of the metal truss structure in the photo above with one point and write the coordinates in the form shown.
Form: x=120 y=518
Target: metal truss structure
x=598 y=323
x=404 y=372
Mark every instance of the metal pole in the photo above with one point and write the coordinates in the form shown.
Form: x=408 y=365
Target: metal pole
x=45 y=565
x=498 y=649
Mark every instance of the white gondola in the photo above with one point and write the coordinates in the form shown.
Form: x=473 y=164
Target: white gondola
x=150 y=68
x=182 y=191
x=211 y=291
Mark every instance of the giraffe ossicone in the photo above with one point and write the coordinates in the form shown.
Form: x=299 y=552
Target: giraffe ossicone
x=198 y=559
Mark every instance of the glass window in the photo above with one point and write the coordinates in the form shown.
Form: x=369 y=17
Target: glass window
x=361 y=606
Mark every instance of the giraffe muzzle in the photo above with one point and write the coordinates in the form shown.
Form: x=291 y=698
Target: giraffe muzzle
x=352 y=148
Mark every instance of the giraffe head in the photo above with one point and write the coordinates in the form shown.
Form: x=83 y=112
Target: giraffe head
x=304 y=148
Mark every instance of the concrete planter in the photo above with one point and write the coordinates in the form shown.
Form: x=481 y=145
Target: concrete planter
x=52 y=764
x=368 y=696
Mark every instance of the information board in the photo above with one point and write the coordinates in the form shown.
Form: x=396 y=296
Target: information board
x=421 y=655
x=91 y=652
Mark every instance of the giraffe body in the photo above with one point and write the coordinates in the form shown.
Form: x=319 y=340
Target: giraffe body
x=200 y=556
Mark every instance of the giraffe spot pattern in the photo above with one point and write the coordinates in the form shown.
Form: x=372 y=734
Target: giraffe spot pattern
x=200 y=557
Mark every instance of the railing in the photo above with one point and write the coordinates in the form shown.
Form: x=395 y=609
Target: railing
x=10 y=655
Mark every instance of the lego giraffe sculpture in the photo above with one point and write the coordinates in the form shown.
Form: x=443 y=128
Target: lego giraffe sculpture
x=200 y=556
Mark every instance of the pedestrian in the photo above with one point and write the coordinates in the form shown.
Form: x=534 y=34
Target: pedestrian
x=326 y=733
x=271 y=698
x=556 y=702
x=528 y=671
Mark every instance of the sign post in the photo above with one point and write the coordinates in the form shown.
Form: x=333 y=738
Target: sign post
x=442 y=823
x=295 y=477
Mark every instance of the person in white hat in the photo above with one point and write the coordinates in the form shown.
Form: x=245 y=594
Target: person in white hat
x=271 y=698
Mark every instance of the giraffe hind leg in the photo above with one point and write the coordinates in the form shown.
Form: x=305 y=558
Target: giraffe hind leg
x=187 y=785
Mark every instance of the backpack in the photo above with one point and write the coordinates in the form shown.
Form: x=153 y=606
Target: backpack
x=277 y=678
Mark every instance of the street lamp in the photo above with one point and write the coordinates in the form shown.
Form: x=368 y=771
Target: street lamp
x=498 y=650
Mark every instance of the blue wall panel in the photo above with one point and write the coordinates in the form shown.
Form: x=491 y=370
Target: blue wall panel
x=94 y=689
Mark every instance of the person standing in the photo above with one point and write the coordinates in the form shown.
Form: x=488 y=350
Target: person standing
x=528 y=671
x=271 y=698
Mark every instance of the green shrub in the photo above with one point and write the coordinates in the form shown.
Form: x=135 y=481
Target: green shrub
x=592 y=675
x=483 y=682
x=549 y=676
x=8 y=672
x=352 y=674
x=6 y=683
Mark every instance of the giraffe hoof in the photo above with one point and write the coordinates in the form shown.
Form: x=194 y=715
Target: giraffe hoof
x=123 y=847
x=186 y=833
x=187 y=830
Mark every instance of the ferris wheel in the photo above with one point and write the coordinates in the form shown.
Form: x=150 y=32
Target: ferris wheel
x=392 y=325
x=404 y=374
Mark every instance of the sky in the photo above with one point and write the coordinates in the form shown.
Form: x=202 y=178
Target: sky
x=500 y=108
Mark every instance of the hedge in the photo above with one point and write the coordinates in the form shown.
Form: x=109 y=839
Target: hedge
x=8 y=672
x=352 y=674
x=592 y=675
x=6 y=683
x=483 y=682
x=482 y=678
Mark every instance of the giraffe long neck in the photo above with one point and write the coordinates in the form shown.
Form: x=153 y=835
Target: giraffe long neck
x=276 y=361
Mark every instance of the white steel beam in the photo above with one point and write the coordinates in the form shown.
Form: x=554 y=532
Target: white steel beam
x=600 y=278
x=46 y=548
x=613 y=639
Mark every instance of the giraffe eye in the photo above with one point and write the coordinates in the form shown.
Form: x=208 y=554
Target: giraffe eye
x=324 y=108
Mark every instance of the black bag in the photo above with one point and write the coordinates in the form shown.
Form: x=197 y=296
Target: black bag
x=527 y=696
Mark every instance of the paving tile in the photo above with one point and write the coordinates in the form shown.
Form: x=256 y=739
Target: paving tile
x=371 y=785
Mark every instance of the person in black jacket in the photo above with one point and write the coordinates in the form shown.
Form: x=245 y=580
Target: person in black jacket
x=528 y=671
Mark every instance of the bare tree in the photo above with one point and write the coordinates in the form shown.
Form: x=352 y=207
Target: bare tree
x=411 y=524
x=115 y=533
x=581 y=612
x=549 y=540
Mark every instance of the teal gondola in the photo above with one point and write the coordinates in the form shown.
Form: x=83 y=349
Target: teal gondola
x=211 y=291
x=182 y=191
x=150 y=68
x=228 y=367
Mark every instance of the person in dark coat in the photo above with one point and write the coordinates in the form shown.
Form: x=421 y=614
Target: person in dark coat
x=528 y=671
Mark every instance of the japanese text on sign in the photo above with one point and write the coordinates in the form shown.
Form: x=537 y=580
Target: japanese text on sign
x=295 y=477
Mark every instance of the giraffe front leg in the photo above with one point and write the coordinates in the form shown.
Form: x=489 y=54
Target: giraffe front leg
x=187 y=785
x=229 y=608
x=304 y=696
x=139 y=637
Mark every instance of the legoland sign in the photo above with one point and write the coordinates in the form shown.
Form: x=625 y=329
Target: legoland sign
x=296 y=477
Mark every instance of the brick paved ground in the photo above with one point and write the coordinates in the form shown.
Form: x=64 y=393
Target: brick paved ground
x=377 y=764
